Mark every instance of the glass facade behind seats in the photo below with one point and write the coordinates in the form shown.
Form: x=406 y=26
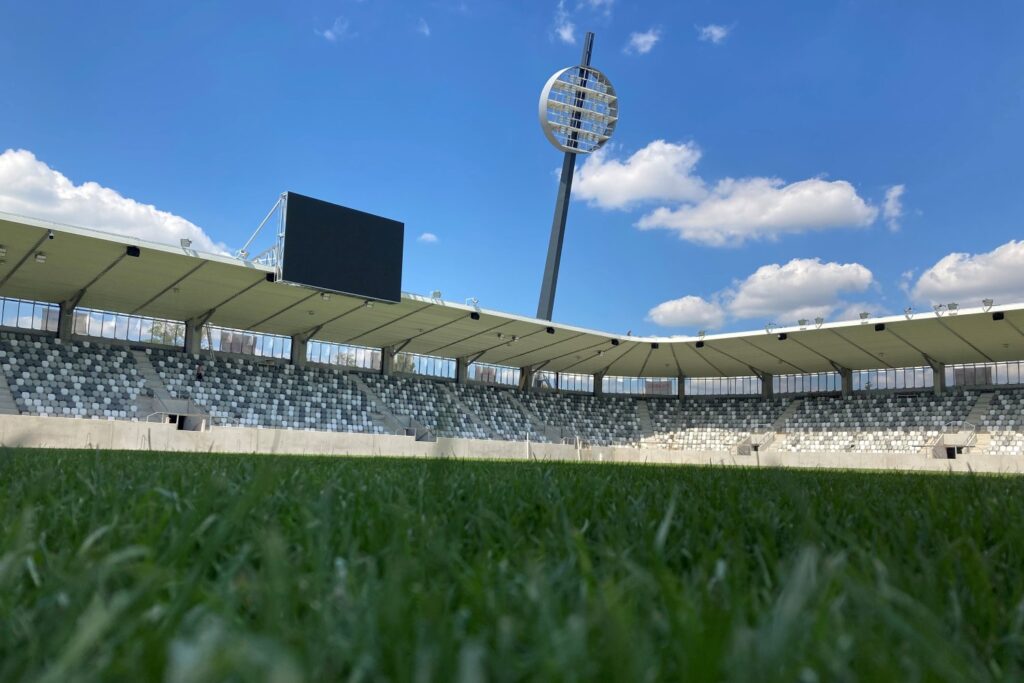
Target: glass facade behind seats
x=133 y=328
x=227 y=340
x=29 y=315
x=345 y=355
x=498 y=375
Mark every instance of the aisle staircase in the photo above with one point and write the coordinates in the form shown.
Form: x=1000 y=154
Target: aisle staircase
x=7 y=404
x=476 y=419
x=643 y=418
x=382 y=415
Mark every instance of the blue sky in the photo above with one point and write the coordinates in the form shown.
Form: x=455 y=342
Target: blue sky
x=758 y=143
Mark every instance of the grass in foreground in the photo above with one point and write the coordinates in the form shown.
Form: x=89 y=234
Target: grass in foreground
x=120 y=566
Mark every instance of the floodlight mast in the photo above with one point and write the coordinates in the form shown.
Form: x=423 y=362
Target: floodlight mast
x=550 y=282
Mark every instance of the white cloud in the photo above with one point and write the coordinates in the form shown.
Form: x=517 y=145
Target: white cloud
x=423 y=28
x=764 y=208
x=802 y=288
x=427 y=238
x=728 y=214
x=892 y=208
x=339 y=30
x=642 y=43
x=661 y=171
x=969 y=278
x=564 y=28
x=688 y=311
x=29 y=187
x=598 y=5
x=713 y=33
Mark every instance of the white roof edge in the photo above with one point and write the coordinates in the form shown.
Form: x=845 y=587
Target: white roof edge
x=675 y=339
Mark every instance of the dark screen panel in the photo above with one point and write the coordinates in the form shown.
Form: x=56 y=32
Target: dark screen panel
x=342 y=250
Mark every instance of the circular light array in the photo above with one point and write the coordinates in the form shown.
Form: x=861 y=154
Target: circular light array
x=578 y=109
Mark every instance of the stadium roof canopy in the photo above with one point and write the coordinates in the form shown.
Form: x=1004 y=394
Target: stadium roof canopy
x=182 y=284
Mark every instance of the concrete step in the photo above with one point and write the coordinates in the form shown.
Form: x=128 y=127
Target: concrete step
x=477 y=420
x=778 y=427
x=149 y=374
x=379 y=412
x=980 y=408
x=7 y=404
x=538 y=424
x=643 y=416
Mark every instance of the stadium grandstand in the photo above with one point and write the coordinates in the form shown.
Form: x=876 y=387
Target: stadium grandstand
x=207 y=348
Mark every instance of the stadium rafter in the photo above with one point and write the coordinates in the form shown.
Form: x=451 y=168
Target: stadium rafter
x=88 y=268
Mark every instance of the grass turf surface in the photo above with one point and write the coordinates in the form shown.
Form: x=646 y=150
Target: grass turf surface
x=117 y=566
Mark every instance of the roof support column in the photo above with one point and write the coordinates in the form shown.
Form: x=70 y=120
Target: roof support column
x=846 y=375
x=462 y=370
x=599 y=384
x=194 y=334
x=66 y=317
x=526 y=379
x=387 y=360
x=767 y=386
x=681 y=387
x=300 y=346
x=939 y=376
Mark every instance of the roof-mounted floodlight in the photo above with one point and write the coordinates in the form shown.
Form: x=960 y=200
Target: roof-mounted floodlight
x=473 y=301
x=368 y=304
x=802 y=322
x=987 y=304
x=953 y=308
x=864 y=315
x=939 y=309
x=701 y=334
x=769 y=327
x=819 y=321
x=185 y=242
x=436 y=295
x=908 y=312
x=578 y=109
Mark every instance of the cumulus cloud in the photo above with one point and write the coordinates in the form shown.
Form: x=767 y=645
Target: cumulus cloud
x=339 y=30
x=969 y=278
x=427 y=238
x=713 y=33
x=661 y=171
x=688 y=311
x=642 y=43
x=729 y=213
x=598 y=5
x=29 y=187
x=892 y=208
x=787 y=293
x=802 y=288
x=564 y=28
x=423 y=28
x=764 y=208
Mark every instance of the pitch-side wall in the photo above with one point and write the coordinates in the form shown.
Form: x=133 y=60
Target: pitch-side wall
x=55 y=432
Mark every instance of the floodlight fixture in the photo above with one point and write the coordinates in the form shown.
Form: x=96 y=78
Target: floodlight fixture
x=864 y=315
x=325 y=296
x=40 y=257
x=368 y=304
x=987 y=304
x=953 y=308
x=436 y=295
x=701 y=334
x=939 y=308
x=819 y=321
x=770 y=327
x=50 y=235
x=802 y=322
x=578 y=112
x=474 y=315
x=783 y=336
x=3 y=251
x=185 y=243
x=700 y=344
x=908 y=312
x=473 y=301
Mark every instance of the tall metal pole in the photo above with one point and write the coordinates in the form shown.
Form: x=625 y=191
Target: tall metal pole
x=547 y=290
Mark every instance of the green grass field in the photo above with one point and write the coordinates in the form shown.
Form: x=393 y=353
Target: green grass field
x=117 y=566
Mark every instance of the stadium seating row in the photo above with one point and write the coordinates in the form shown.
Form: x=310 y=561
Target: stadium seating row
x=94 y=380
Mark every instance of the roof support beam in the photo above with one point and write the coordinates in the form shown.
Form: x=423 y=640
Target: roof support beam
x=168 y=287
x=435 y=329
x=390 y=322
x=860 y=348
x=283 y=310
x=546 y=346
x=961 y=338
x=17 y=266
x=316 y=328
x=465 y=339
x=206 y=315
x=778 y=358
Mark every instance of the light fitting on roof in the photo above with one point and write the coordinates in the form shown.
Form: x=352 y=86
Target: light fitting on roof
x=769 y=327
x=185 y=243
x=908 y=312
x=985 y=303
x=802 y=322
x=40 y=257
x=818 y=322
x=701 y=334
x=3 y=251
x=436 y=294
x=953 y=308
x=864 y=315
x=368 y=304
x=939 y=308
x=325 y=296
x=473 y=301
x=50 y=235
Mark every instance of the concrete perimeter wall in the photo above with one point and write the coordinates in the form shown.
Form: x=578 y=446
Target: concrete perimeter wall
x=55 y=432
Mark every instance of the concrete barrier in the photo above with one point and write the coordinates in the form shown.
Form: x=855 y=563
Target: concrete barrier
x=55 y=432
